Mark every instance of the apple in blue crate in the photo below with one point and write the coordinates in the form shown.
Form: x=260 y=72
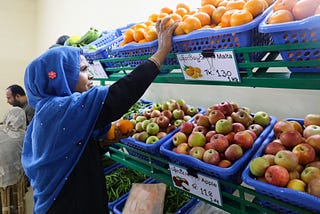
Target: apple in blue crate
x=224 y=163
x=179 y=137
x=170 y=128
x=201 y=129
x=140 y=118
x=244 y=108
x=262 y=118
x=223 y=126
x=145 y=124
x=197 y=152
x=273 y=147
x=152 y=128
x=165 y=106
x=237 y=127
x=281 y=126
x=291 y=138
x=155 y=113
x=211 y=156
x=305 y=153
x=270 y=158
x=277 y=175
x=167 y=113
x=181 y=102
x=142 y=136
x=297 y=184
x=312 y=119
x=187 y=117
x=187 y=127
x=309 y=173
x=152 y=139
x=177 y=114
x=196 y=139
x=182 y=148
x=215 y=115
x=225 y=107
x=258 y=166
x=203 y=120
x=161 y=134
x=314 y=141
x=138 y=127
x=147 y=113
x=173 y=105
x=243 y=139
x=314 y=187
x=311 y=130
x=192 y=111
x=253 y=134
x=209 y=135
x=156 y=106
x=218 y=142
x=233 y=152
x=243 y=117
x=287 y=159
x=256 y=128
x=163 y=121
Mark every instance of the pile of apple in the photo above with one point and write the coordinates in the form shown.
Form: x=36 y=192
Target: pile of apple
x=292 y=158
x=221 y=135
x=156 y=122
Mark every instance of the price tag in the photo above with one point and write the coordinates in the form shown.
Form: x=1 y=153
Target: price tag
x=210 y=65
x=97 y=70
x=203 y=186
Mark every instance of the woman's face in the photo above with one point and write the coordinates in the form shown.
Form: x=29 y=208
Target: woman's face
x=85 y=78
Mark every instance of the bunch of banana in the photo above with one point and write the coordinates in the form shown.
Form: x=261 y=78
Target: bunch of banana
x=91 y=35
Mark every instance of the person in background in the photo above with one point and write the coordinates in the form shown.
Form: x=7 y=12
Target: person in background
x=12 y=133
x=16 y=96
x=65 y=142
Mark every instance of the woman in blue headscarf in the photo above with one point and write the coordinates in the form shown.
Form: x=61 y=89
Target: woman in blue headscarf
x=60 y=154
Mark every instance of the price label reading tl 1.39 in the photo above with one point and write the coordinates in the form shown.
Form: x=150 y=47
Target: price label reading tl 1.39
x=211 y=66
x=200 y=185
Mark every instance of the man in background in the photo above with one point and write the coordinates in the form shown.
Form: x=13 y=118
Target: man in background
x=16 y=96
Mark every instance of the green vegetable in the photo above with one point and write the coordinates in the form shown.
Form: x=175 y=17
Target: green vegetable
x=119 y=181
x=174 y=200
x=139 y=105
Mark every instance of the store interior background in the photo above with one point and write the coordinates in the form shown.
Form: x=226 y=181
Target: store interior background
x=29 y=27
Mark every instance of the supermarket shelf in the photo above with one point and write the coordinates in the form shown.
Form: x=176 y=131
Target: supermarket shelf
x=242 y=200
x=253 y=74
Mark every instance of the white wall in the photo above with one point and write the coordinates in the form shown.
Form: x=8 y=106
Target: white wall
x=72 y=17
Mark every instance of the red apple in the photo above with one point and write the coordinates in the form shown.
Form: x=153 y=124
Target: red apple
x=201 y=129
x=187 y=127
x=161 y=134
x=163 y=121
x=197 y=152
x=183 y=148
x=287 y=159
x=256 y=128
x=210 y=134
x=211 y=156
x=196 y=117
x=297 y=184
x=277 y=175
x=273 y=147
x=297 y=126
x=290 y=138
x=243 y=139
x=314 y=187
x=233 y=152
x=225 y=107
x=314 y=163
x=253 y=134
x=314 y=141
x=218 y=142
x=294 y=174
x=230 y=136
x=312 y=119
x=270 y=158
x=281 y=126
x=155 y=113
x=215 y=115
x=236 y=127
x=309 y=173
x=167 y=113
x=311 y=130
x=243 y=117
x=305 y=153
x=224 y=163
x=204 y=121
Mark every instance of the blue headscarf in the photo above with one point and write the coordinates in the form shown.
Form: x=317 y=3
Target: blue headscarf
x=62 y=125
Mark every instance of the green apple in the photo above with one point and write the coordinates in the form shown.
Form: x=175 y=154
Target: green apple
x=297 y=184
x=243 y=117
x=262 y=118
x=312 y=119
x=152 y=128
x=179 y=138
x=258 y=166
x=156 y=106
x=192 y=111
x=309 y=173
x=145 y=124
x=142 y=136
x=223 y=126
x=196 y=139
x=178 y=122
x=177 y=114
x=140 y=118
x=181 y=102
x=287 y=159
x=152 y=139
x=197 y=152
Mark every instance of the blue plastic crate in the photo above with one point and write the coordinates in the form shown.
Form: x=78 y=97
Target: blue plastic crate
x=305 y=30
x=118 y=207
x=287 y=195
x=225 y=38
x=107 y=171
x=232 y=173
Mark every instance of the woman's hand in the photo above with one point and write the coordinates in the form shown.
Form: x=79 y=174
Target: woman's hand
x=118 y=136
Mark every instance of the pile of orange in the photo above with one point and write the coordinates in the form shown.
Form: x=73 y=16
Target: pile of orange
x=214 y=14
x=290 y=10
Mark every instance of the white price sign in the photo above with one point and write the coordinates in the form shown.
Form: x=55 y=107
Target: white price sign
x=203 y=186
x=97 y=70
x=210 y=65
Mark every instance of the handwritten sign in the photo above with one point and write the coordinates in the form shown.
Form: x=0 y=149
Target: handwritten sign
x=211 y=66
x=97 y=70
x=203 y=186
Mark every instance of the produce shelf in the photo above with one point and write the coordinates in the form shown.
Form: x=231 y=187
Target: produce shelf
x=253 y=74
x=242 y=200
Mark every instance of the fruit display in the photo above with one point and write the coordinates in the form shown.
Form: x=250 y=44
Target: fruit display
x=291 y=10
x=80 y=41
x=220 y=140
x=210 y=15
x=289 y=161
x=136 y=108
